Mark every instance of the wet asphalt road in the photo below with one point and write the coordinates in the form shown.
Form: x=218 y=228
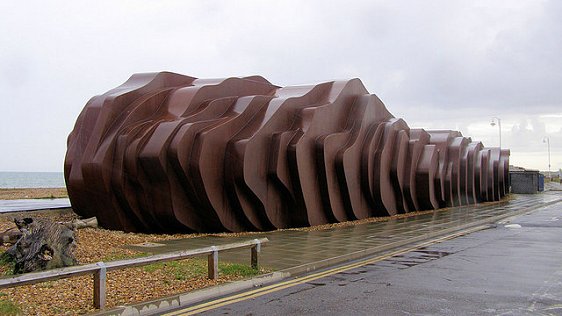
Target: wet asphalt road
x=498 y=271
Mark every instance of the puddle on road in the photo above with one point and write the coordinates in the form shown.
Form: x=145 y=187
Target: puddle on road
x=416 y=257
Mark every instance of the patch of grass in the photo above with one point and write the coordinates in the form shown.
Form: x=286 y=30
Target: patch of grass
x=239 y=270
x=6 y=266
x=182 y=270
x=185 y=269
x=153 y=267
x=199 y=266
x=8 y=307
x=180 y=275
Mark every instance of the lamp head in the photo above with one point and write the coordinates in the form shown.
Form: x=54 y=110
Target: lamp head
x=493 y=123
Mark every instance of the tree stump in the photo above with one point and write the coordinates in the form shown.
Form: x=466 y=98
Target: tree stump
x=43 y=245
x=10 y=236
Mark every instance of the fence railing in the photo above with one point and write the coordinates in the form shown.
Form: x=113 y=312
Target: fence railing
x=99 y=270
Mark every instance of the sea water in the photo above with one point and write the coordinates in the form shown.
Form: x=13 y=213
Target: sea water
x=31 y=180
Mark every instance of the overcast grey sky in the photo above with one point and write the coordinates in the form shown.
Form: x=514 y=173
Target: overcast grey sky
x=437 y=64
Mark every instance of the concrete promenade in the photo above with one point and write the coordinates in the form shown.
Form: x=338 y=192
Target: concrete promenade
x=7 y=206
x=295 y=250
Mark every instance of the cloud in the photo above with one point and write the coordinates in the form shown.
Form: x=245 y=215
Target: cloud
x=442 y=64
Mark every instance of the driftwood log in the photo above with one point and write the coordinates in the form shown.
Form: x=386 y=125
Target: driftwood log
x=12 y=235
x=42 y=245
x=83 y=223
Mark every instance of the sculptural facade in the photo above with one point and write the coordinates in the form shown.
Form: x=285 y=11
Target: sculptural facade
x=165 y=152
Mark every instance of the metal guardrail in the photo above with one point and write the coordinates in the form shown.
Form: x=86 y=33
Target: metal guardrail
x=100 y=269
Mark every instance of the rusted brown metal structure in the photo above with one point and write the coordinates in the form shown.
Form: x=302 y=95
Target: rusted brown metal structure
x=165 y=152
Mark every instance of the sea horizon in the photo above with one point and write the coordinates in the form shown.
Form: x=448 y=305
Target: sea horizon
x=31 y=179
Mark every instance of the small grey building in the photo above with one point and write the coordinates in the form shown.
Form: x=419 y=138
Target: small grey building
x=526 y=181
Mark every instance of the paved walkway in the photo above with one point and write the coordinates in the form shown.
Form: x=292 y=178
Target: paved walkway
x=291 y=249
x=7 y=206
x=509 y=270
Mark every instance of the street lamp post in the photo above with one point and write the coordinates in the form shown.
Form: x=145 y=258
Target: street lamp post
x=546 y=140
x=493 y=123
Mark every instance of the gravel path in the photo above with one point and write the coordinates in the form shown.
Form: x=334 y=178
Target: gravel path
x=34 y=193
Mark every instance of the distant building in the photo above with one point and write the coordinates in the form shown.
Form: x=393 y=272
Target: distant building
x=525 y=181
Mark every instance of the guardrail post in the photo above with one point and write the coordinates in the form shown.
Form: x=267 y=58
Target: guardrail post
x=100 y=278
x=213 y=263
x=255 y=251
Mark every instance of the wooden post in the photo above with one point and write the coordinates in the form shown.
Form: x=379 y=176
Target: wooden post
x=213 y=264
x=100 y=278
x=255 y=251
